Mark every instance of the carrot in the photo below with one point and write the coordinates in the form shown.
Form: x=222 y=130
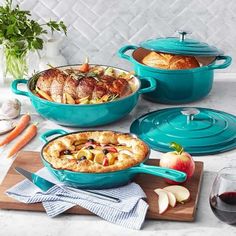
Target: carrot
x=85 y=67
x=29 y=133
x=23 y=122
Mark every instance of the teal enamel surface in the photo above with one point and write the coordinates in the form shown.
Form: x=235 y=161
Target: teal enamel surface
x=90 y=180
x=108 y=179
x=174 y=45
x=111 y=179
x=84 y=115
x=43 y=137
x=209 y=131
x=177 y=86
x=176 y=89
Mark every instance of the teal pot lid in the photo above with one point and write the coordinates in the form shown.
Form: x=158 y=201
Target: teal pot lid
x=200 y=131
x=181 y=46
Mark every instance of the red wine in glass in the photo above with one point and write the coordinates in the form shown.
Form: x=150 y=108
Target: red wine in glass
x=223 y=195
x=224 y=207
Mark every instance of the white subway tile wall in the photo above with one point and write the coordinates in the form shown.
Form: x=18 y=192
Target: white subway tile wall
x=98 y=28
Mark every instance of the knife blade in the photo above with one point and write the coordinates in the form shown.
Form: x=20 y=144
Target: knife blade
x=45 y=185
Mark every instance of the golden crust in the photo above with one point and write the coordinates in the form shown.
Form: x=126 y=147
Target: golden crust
x=170 y=61
x=130 y=151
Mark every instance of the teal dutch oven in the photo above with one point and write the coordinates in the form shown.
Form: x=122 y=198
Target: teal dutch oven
x=86 y=115
x=177 y=86
x=104 y=180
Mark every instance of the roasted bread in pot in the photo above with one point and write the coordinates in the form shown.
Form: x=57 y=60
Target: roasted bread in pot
x=56 y=84
x=170 y=61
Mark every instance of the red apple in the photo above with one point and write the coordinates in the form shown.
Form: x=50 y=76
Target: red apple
x=178 y=160
x=105 y=162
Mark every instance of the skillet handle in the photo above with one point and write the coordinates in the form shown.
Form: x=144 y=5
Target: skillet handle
x=167 y=173
x=152 y=86
x=43 y=137
x=14 y=88
x=227 y=61
x=123 y=50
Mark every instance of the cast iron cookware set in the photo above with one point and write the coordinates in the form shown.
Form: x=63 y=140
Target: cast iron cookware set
x=201 y=131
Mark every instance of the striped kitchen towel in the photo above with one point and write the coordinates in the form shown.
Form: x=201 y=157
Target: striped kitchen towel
x=130 y=212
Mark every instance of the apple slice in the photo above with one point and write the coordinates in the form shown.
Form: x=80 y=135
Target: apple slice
x=163 y=200
x=172 y=198
x=181 y=193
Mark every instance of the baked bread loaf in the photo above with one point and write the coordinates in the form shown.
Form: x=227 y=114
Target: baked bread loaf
x=170 y=61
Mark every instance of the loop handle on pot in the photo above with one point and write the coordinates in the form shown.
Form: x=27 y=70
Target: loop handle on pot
x=167 y=173
x=14 y=88
x=152 y=87
x=123 y=50
x=43 y=137
x=227 y=61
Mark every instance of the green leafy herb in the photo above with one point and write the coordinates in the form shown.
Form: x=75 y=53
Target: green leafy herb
x=76 y=74
x=20 y=34
x=53 y=25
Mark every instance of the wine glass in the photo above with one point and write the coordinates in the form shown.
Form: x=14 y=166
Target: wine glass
x=223 y=195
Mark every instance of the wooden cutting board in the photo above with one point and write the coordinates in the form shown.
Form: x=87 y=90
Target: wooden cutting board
x=182 y=212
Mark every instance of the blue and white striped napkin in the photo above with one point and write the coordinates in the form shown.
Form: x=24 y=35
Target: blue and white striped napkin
x=130 y=212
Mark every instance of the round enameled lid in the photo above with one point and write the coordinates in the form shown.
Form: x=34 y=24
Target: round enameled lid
x=181 y=46
x=200 y=131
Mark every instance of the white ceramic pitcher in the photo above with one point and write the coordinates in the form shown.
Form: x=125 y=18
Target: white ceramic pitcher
x=52 y=55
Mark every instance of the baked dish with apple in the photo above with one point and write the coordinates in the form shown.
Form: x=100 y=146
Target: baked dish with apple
x=95 y=151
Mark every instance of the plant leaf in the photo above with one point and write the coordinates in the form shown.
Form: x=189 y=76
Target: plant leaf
x=37 y=43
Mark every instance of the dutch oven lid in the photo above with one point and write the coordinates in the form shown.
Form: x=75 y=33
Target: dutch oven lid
x=200 y=131
x=181 y=46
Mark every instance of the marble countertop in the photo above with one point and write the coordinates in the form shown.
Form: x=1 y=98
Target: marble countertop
x=222 y=97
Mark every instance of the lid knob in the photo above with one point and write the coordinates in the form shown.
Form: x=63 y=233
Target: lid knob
x=182 y=34
x=190 y=112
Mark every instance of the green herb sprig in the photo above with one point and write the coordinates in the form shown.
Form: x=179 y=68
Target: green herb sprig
x=20 y=34
x=77 y=75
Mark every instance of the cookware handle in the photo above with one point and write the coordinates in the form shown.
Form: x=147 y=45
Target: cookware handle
x=227 y=61
x=152 y=87
x=167 y=173
x=14 y=88
x=43 y=137
x=61 y=176
x=123 y=50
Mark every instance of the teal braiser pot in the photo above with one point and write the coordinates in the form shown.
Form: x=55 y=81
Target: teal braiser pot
x=177 y=86
x=104 y=180
x=86 y=115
